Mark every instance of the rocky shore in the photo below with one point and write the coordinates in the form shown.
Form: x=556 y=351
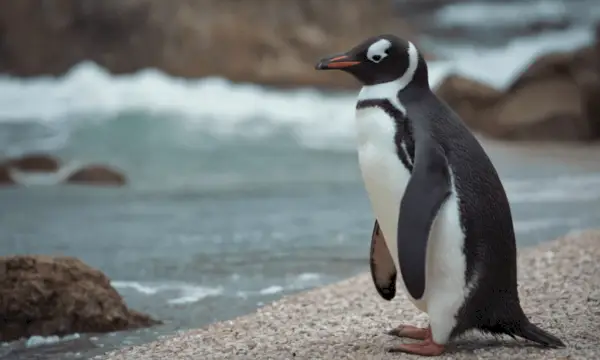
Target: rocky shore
x=554 y=98
x=47 y=296
x=559 y=284
x=91 y=174
x=264 y=41
x=276 y=43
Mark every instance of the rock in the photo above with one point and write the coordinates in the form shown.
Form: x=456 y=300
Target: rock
x=551 y=64
x=555 y=97
x=270 y=42
x=588 y=78
x=547 y=109
x=43 y=295
x=97 y=175
x=562 y=91
x=468 y=98
x=5 y=177
x=35 y=163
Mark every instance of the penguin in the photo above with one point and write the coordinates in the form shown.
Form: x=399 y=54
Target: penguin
x=443 y=224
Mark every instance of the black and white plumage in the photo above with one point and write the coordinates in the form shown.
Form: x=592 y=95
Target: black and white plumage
x=442 y=216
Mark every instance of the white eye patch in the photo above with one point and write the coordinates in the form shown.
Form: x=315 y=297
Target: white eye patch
x=377 y=50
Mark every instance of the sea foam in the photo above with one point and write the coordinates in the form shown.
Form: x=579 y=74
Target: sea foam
x=510 y=13
x=89 y=93
x=184 y=293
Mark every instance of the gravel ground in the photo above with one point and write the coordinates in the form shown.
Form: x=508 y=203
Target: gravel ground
x=559 y=287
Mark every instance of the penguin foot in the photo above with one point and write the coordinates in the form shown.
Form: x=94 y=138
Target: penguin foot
x=409 y=331
x=426 y=348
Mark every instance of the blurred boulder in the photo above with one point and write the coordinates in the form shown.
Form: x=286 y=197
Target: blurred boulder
x=468 y=98
x=43 y=295
x=555 y=97
x=270 y=42
x=35 y=163
x=546 y=109
x=97 y=175
x=5 y=177
x=544 y=66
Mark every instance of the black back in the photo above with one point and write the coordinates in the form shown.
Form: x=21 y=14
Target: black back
x=490 y=247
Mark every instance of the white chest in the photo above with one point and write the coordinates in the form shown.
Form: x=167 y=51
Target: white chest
x=385 y=179
x=384 y=175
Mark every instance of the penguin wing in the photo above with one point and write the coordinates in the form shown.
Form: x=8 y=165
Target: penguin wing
x=383 y=270
x=427 y=189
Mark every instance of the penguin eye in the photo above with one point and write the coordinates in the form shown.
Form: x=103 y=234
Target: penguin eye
x=378 y=50
x=377 y=57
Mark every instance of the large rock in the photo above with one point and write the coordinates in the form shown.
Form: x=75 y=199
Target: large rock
x=35 y=163
x=579 y=65
x=555 y=97
x=544 y=66
x=547 y=109
x=468 y=98
x=42 y=295
x=588 y=79
x=97 y=175
x=265 y=41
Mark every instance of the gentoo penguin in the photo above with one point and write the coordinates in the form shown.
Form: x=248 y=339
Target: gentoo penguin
x=442 y=216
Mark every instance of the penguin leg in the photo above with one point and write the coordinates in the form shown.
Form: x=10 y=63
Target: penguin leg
x=441 y=322
x=409 y=331
x=425 y=348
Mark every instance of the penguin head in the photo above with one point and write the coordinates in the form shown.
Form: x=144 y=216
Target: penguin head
x=378 y=60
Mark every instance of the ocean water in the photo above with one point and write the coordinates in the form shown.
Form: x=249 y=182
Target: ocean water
x=240 y=194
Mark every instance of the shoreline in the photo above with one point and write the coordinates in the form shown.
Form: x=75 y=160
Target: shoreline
x=559 y=286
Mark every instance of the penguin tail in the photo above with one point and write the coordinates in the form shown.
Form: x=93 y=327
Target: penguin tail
x=533 y=333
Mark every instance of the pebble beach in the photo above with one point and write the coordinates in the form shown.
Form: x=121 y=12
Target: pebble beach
x=559 y=285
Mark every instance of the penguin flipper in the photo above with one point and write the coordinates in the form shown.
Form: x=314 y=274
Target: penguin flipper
x=383 y=270
x=427 y=189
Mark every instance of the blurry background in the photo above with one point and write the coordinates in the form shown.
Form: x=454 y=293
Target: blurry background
x=235 y=161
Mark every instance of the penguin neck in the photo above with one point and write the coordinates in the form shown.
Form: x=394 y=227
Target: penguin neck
x=409 y=86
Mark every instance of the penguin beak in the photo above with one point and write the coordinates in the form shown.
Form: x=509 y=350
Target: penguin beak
x=339 y=61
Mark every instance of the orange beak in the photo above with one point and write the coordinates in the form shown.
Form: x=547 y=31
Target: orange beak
x=336 y=62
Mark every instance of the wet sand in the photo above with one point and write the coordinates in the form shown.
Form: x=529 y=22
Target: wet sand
x=559 y=284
